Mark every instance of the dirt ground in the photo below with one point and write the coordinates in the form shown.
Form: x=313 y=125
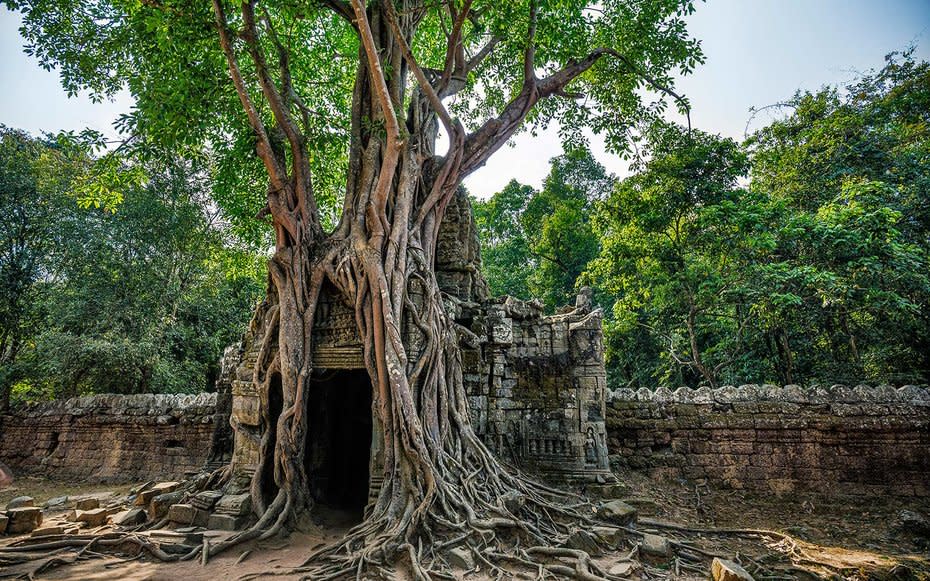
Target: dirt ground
x=836 y=537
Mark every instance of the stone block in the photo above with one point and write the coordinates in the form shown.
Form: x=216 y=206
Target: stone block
x=655 y=545
x=20 y=502
x=128 y=518
x=87 y=504
x=94 y=517
x=617 y=512
x=159 y=506
x=207 y=499
x=188 y=515
x=48 y=531
x=225 y=522
x=23 y=520
x=461 y=558
x=724 y=570
x=4 y=521
x=610 y=536
x=235 y=504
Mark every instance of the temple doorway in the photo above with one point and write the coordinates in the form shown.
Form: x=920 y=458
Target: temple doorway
x=339 y=439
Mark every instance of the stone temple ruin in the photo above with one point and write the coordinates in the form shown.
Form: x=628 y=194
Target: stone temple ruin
x=536 y=384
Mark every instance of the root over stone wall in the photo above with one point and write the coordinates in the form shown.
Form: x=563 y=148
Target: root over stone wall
x=860 y=440
x=110 y=438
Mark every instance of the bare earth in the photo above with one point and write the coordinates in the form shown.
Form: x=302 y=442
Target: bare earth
x=827 y=538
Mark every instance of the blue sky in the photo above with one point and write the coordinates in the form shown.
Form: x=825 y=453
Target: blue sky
x=758 y=52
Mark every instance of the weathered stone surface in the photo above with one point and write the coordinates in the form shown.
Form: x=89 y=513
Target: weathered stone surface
x=235 y=505
x=583 y=541
x=655 y=545
x=771 y=439
x=187 y=514
x=461 y=558
x=206 y=500
x=617 y=512
x=189 y=538
x=723 y=570
x=225 y=522
x=160 y=504
x=56 y=503
x=23 y=520
x=87 y=504
x=128 y=518
x=4 y=521
x=912 y=523
x=20 y=502
x=110 y=437
x=48 y=530
x=610 y=536
x=94 y=517
x=620 y=569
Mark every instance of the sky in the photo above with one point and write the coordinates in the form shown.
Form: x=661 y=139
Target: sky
x=758 y=52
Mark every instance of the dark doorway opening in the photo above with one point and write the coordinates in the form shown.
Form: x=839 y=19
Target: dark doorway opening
x=339 y=439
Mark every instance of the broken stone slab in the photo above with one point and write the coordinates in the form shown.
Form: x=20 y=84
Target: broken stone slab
x=190 y=538
x=160 y=504
x=617 y=512
x=235 y=504
x=56 y=503
x=188 y=514
x=656 y=545
x=48 y=531
x=20 y=502
x=94 y=517
x=583 y=541
x=225 y=522
x=145 y=497
x=87 y=504
x=128 y=518
x=4 y=520
x=724 y=570
x=206 y=500
x=23 y=520
x=460 y=558
x=608 y=535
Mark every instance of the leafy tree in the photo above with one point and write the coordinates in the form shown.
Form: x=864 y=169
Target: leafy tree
x=537 y=243
x=672 y=240
x=338 y=97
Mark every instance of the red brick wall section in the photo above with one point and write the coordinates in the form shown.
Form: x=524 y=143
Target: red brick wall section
x=109 y=438
x=860 y=440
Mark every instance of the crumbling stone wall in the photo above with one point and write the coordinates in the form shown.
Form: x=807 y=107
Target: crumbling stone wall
x=110 y=437
x=861 y=440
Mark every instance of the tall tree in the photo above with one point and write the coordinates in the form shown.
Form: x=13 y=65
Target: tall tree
x=338 y=95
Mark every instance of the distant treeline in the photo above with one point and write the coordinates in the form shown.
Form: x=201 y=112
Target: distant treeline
x=115 y=276
x=798 y=256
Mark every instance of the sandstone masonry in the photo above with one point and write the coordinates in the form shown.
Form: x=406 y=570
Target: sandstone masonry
x=839 y=439
x=109 y=437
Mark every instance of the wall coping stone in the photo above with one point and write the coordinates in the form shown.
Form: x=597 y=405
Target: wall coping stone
x=115 y=404
x=914 y=395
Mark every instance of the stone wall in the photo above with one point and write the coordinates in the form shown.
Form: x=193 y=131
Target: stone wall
x=110 y=437
x=860 y=440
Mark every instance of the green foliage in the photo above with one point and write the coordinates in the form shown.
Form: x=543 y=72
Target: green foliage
x=537 y=243
x=140 y=296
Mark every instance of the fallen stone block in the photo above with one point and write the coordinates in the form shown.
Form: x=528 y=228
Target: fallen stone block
x=583 y=541
x=656 y=545
x=235 y=504
x=193 y=539
x=4 y=520
x=206 y=500
x=56 y=503
x=128 y=518
x=87 y=504
x=609 y=536
x=225 y=522
x=614 y=490
x=617 y=512
x=48 y=530
x=94 y=517
x=188 y=515
x=144 y=498
x=724 y=570
x=620 y=569
x=160 y=504
x=23 y=520
x=20 y=502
